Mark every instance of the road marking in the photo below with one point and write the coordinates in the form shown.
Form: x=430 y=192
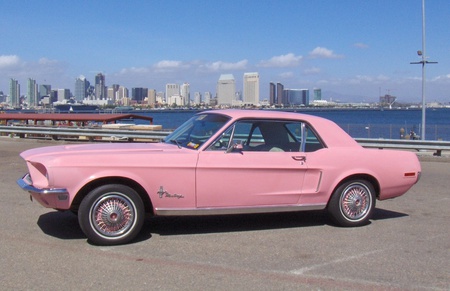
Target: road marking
x=301 y=271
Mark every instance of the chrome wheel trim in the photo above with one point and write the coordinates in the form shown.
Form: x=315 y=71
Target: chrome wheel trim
x=112 y=215
x=355 y=202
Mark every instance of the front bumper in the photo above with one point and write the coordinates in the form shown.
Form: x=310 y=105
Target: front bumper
x=57 y=198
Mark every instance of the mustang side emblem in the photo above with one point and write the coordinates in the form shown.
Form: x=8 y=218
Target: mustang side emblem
x=162 y=193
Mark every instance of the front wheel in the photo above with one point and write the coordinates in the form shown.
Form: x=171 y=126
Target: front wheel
x=111 y=214
x=352 y=203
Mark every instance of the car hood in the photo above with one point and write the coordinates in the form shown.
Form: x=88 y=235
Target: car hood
x=109 y=149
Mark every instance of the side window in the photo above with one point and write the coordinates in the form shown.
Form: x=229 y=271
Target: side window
x=312 y=142
x=268 y=136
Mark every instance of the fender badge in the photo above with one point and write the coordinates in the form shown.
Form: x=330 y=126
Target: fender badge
x=162 y=193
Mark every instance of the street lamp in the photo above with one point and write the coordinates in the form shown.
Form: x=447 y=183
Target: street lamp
x=423 y=62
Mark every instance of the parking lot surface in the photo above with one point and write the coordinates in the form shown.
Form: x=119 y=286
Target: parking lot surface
x=405 y=247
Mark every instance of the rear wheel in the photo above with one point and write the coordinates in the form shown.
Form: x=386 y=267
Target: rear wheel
x=111 y=214
x=352 y=203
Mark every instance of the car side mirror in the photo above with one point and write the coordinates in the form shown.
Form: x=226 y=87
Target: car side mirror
x=236 y=147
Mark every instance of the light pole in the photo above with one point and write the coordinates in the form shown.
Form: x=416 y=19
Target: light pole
x=423 y=62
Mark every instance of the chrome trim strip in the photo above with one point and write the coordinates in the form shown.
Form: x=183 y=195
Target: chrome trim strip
x=241 y=210
x=24 y=183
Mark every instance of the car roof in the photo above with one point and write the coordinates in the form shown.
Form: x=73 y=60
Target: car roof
x=329 y=132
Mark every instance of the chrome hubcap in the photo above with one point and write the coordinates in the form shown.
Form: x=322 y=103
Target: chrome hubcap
x=355 y=201
x=112 y=215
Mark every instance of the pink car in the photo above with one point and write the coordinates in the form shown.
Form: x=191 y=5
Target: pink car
x=218 y=162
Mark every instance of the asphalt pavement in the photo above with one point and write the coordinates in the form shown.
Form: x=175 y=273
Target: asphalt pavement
x=405 y=247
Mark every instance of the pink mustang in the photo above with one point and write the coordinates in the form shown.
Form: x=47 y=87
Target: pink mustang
x=219 y=162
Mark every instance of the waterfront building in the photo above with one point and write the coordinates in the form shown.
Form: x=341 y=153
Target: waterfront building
x=296 y=97
x=280 y=99
x=139 y=94
x=14 y=93
x=100 y=87
x=63 y=95
x=226 y=89
x=197 y=98
x=185 y=94
x=151 y=97
x=207 y=98
x=160 y=99
x=113 y=92
x=32 y=93
x=172 y=90
x=317 y=94
x=251 y=88
x=122 y=93
x=81 y=88
x=272 y=93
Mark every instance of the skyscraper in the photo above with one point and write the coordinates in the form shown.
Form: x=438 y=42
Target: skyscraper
x=226 y=89
x=32 y=93
x=44 y=91
x=172 y=90
x=272 y=93
x=251 y=88
x=317 y=94
x=185 y=94
x=100 y=87
x=280 y=100
x=207 y=99
x=14 y=92
x=81 y=88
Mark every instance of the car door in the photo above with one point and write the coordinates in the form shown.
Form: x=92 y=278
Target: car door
x=254 y=163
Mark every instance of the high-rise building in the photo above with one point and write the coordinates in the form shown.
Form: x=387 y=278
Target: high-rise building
x=297 y=97
x=63 y=94
x=139 y=94
x=81 y=88
x=14 y=93
x=112 y=92
x=226 y=89
x=207 y=99
x=280 y=99
x=172 y=90
x=251 y=88
x=100 y=87
x=123 y=92
x=317 y=94
x=185 y=94
x=45 y=91
x=272 y=93
x=197 y=98
x=151 y=97
x=32 y=93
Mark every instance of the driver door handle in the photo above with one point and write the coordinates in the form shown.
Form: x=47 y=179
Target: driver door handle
x=299 y=158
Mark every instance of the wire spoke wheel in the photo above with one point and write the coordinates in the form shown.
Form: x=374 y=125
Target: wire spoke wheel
x=111 y=214
x=355 y=201
x=352 y=203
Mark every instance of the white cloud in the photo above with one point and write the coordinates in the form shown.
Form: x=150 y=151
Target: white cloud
x=9 y=61
x=361 y=45
x=134 y=70
x=287 y=60
x=324 y=53
x=224 y=66
x=312 y=71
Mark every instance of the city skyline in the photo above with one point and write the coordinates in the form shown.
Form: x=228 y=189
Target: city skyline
x=354 y=51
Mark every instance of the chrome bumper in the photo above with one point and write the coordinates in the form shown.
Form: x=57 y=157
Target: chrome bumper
x=26 y=184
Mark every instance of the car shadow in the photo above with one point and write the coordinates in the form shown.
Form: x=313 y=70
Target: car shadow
x=233 y=223
x=64 y=225
x=381 y=214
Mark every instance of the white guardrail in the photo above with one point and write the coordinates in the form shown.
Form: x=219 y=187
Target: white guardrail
x=155 y=136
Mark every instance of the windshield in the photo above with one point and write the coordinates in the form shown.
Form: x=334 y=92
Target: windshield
x=197 y=130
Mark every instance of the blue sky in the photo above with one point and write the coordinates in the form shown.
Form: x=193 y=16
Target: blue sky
x=354 y=50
